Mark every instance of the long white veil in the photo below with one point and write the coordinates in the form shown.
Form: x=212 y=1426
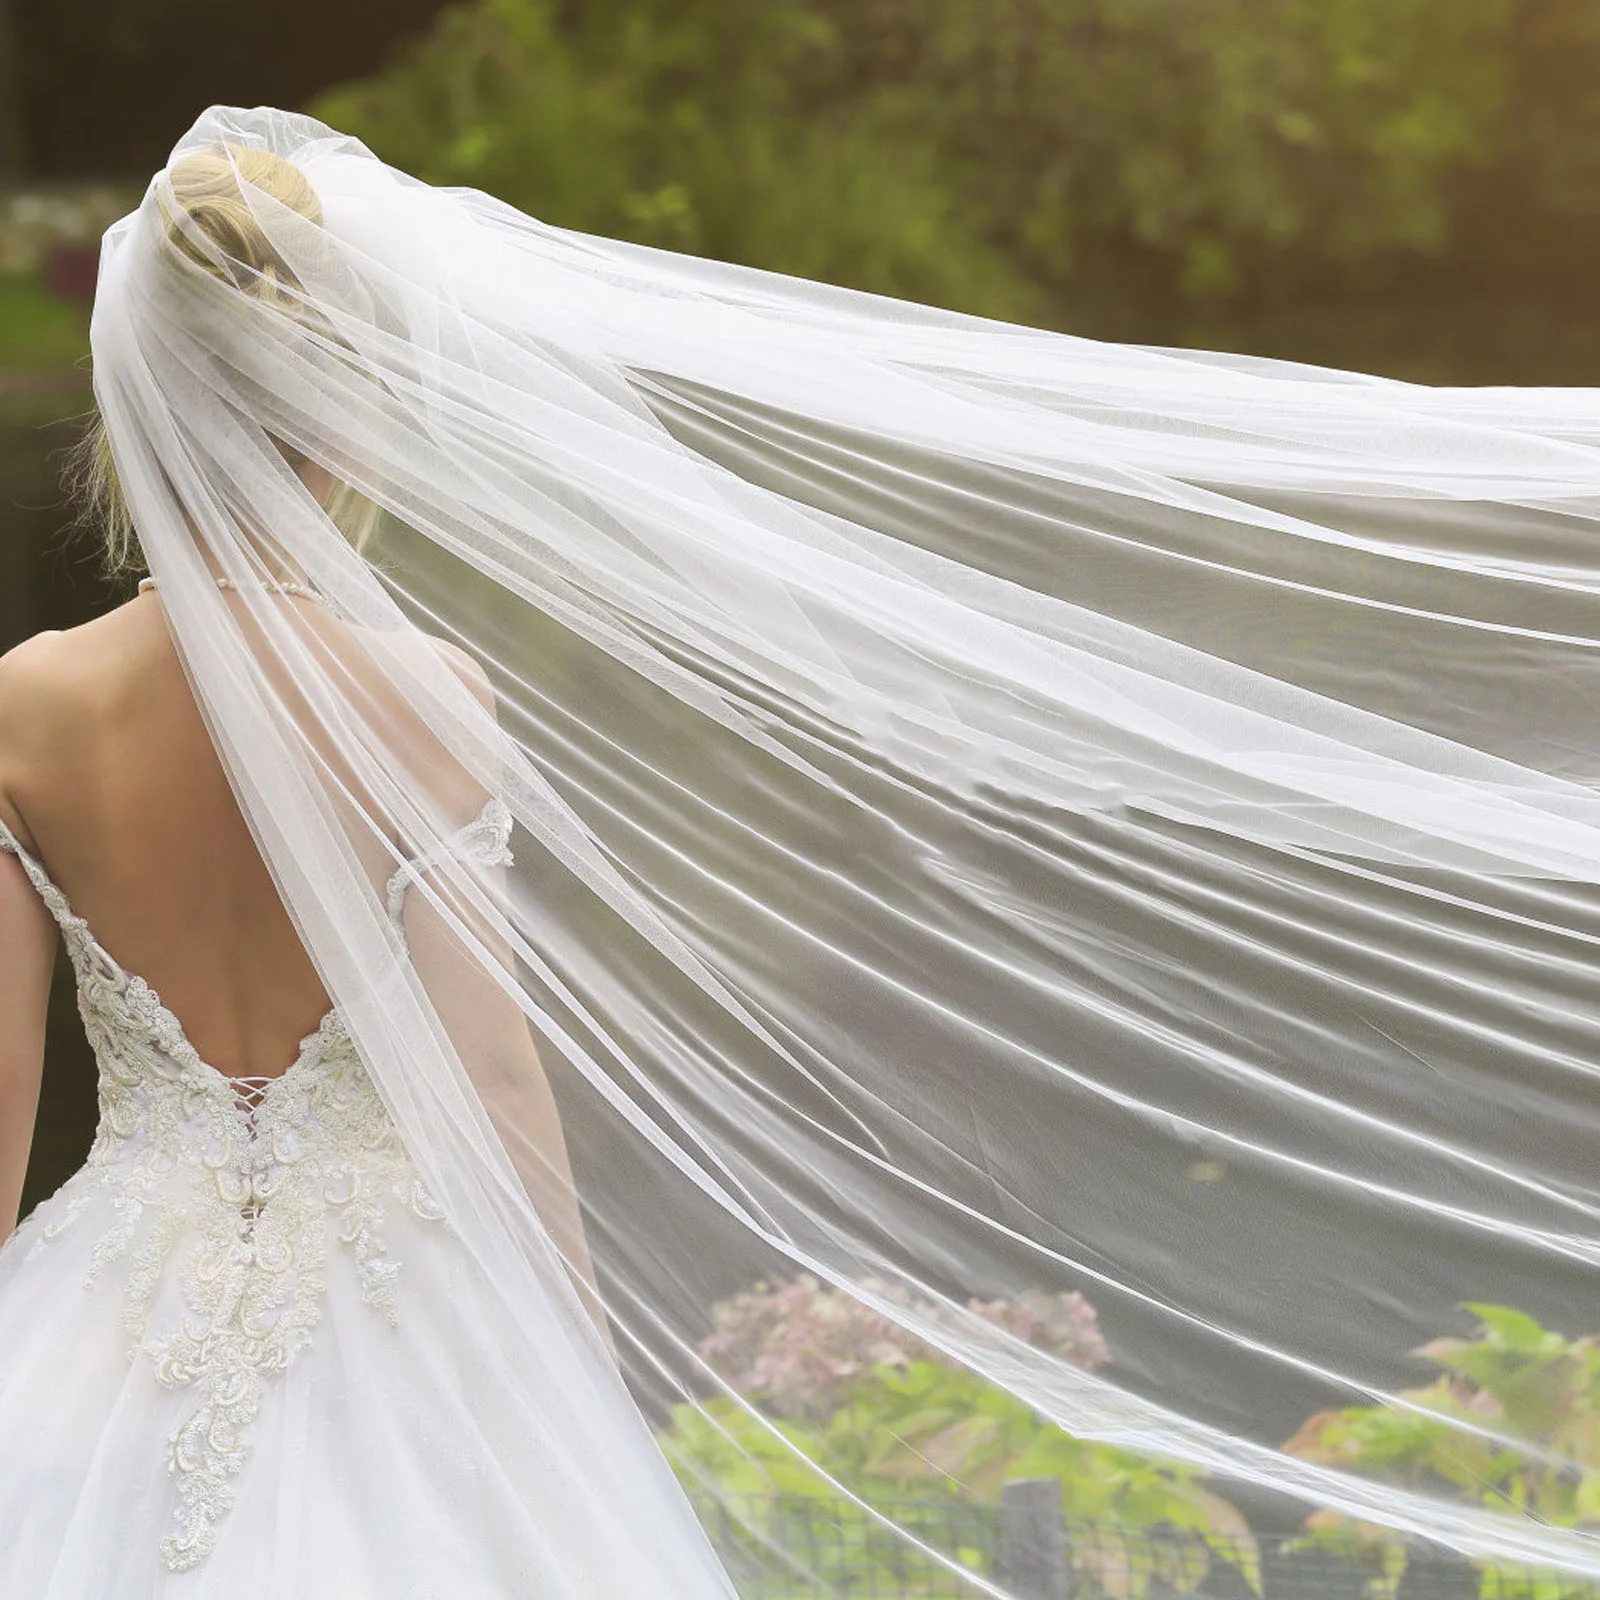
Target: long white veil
x=996 y=815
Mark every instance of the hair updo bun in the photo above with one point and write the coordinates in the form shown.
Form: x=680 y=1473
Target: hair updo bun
x=214 y=225
x=208 y=220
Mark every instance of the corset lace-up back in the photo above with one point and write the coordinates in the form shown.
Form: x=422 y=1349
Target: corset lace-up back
x=226 y=1196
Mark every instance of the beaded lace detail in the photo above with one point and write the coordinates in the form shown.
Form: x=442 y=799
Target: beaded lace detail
x=235 y=1188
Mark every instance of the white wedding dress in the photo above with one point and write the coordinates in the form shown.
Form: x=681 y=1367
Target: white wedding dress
x=241 y=1354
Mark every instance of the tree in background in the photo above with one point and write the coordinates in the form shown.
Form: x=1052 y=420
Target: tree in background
x=1068 y=159
x=1412 y=184
x=1214 y=148
x=1532 y=214
x=713 y=126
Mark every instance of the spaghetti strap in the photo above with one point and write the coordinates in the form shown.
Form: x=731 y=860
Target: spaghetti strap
x=485 y=839
x=59 y=907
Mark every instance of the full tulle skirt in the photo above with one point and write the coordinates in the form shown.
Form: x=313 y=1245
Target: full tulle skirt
x=382 y=1462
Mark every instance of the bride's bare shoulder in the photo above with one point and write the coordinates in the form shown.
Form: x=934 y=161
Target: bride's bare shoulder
x=424 y=648
x=57 y=663
x=465 y=667
x=32 y=677
x=30 y=665
x=47 y=680
x=46 y=675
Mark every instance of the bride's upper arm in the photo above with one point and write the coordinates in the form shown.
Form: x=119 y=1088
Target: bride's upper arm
x=27 y=953
x=25 y=680
x=468 y=670
x=27 y=949
x=460 y=793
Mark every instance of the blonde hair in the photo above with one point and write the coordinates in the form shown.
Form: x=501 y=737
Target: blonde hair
x=210 y=222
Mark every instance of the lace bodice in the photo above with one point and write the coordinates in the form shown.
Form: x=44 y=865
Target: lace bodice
x=239 y=1187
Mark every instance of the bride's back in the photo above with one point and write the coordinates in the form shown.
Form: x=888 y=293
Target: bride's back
x=107 y=765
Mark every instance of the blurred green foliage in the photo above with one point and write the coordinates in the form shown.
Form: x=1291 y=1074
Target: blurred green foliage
x=1511 y=1423
x=1212 y=138
x=1184 y=170
x=831 y=1397
x=36 y=328
x=716 y=128
x=932 y=1431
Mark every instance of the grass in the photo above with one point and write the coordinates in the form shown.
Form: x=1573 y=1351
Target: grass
x=36 y=329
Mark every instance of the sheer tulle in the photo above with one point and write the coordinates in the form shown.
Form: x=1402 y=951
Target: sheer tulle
x=968 y=782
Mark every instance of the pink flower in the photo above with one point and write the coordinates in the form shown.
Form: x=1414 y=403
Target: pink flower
x=800 y=1347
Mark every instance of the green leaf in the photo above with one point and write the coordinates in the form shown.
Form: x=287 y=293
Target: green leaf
x=1515 y=1329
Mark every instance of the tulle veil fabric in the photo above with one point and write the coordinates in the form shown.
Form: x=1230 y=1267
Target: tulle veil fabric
x=994 y=811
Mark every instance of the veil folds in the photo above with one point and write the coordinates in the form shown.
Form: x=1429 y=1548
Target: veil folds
x=998 y=818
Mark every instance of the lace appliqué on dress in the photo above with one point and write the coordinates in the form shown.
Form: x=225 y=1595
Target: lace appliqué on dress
x=318 y=1167
x=254 y=1186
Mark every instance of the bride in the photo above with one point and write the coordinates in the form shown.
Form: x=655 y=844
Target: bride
x=310 y=1341
x=629 y=778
